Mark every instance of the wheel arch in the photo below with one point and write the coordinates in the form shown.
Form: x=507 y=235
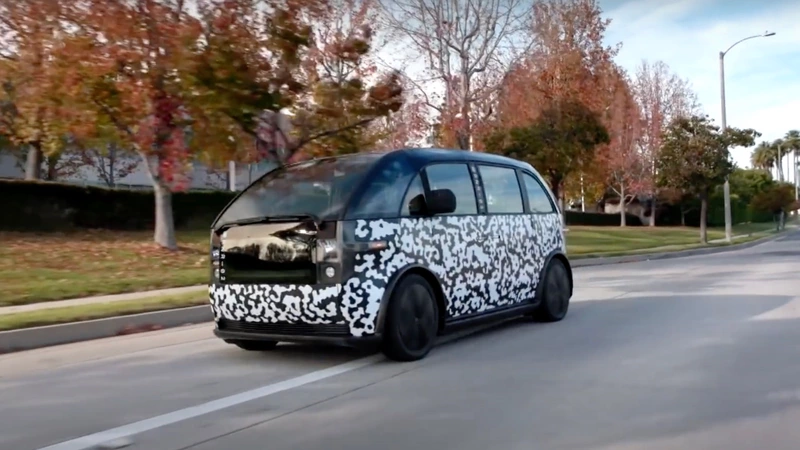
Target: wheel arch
x=561 y=256
x=430 y=277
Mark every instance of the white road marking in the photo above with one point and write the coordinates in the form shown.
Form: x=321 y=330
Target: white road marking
x=788 y=311
x=125 y=431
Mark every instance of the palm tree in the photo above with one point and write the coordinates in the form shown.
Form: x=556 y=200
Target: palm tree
x=792 y=144
x=779 y=149
x=763 y=156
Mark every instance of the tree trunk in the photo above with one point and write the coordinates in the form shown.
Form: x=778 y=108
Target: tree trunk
x=52 y=166
x=165 y=223
x=33 y=165
x=703 y=218
x=653 y=211
x=112 y=156
x=622 y=205
x=683 y=218
x=164 y=234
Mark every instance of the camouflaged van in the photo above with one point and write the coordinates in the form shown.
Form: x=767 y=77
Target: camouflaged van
x=393 y=249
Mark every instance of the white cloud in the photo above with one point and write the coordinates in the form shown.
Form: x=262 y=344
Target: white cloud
x=762 y=86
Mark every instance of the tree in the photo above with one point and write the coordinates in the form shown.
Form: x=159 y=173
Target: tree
x=110 y=164
x=792 y=142
x=318 y=79
x=568 y=63
x=694 y=158
x=406 y=127
x=777 y=199
x=763 y=156
x=127 y=60
x=662 y=97
x=621 y=159
x=175 y=86
x=563 y=135
x=465 y=43
x=746 y=183
x=33 y=115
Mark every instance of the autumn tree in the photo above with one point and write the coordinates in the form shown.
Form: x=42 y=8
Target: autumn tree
x=568 y=63
x=465 y=44
x=407 y=127
x=319 y=80
x=694 y=158
x=662 y=98
x=109 y=163
x=621 y=160
x=555 y=142
x=33 y=114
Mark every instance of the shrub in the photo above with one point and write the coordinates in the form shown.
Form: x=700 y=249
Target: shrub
x=47 y=206
x=577 y=218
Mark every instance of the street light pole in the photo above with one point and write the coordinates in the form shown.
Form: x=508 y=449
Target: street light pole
x=726 y=188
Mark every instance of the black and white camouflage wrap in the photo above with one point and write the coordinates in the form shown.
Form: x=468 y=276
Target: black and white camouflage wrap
x=483 y=262
x=276 y=303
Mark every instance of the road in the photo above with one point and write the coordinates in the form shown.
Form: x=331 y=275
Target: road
x=695 y=353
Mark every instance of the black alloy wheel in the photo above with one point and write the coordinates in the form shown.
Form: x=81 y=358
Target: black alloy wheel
x=412 y=322
x=555 y=292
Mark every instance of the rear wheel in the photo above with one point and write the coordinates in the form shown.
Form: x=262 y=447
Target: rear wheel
x=255 y=346
x=554 y=290
x=412 y=321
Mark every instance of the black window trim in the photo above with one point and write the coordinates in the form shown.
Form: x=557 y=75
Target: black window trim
x=520 y=186
x=540 y=182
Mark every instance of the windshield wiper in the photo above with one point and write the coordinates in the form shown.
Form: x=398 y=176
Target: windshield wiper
x=271 y=219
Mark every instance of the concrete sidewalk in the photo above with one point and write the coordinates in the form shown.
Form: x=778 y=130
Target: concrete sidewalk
x=101 y=299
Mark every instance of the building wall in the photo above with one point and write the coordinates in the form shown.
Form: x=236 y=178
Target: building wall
x=202 y=177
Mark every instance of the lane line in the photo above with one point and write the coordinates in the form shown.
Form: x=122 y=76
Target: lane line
x=92 y=440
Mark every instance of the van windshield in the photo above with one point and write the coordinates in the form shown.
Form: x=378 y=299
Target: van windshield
x=319 y=188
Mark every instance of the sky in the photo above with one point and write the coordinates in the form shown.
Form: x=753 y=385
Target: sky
x=762 y=76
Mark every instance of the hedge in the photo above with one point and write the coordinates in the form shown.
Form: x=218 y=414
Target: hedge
x=576 y=218
x=48 y=206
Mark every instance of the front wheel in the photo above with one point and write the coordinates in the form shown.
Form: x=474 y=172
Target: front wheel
x=412 y=321
x=554 y=291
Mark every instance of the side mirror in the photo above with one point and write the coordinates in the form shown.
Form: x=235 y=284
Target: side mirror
x=439 y=201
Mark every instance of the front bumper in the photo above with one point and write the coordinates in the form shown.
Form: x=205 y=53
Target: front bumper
x=230 y=330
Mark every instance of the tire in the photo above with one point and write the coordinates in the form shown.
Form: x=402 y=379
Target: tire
x=554 y=291
x=412 y=320
x=255 y=346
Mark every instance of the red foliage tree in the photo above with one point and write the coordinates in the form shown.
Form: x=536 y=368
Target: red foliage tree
x=662 y=97
x=621 y=160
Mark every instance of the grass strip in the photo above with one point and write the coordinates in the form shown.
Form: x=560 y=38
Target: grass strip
x=69 y=314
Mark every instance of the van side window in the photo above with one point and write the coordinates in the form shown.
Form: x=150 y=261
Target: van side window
x=503 y=194
x=457 y=178
x=414 y=189
x=382 y=196
x=538 y=200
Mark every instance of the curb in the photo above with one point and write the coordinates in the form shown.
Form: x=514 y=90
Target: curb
x=51 y=335
x=38 y=337
x=603 y=261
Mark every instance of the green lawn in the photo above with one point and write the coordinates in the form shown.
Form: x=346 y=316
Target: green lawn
x=54 y=316
x=616 y=240
x=46 y=267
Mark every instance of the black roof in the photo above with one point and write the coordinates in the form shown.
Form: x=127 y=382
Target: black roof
x=419 y=157
x=422 y=156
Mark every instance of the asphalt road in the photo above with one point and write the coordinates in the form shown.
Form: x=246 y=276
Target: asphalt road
x=696 y=353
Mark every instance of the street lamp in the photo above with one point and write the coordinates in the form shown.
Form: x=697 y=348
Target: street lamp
x=726 y=188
